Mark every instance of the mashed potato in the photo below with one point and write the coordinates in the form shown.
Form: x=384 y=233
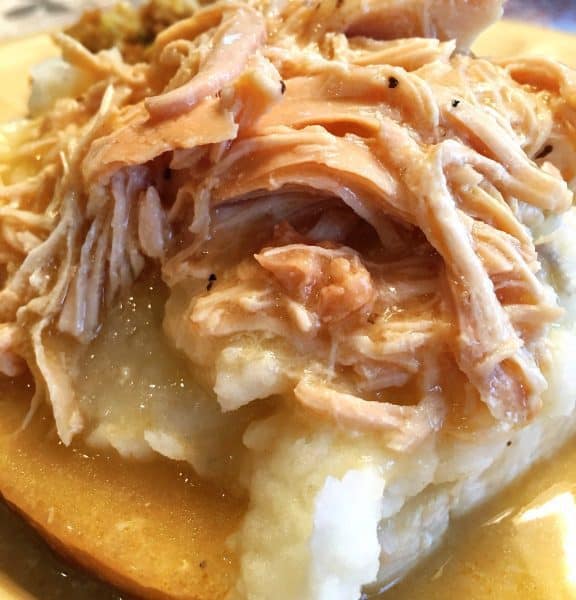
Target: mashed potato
x=319 y=498
x=329 y=512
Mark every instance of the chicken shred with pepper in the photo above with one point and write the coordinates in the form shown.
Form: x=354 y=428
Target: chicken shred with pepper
x=381 y=179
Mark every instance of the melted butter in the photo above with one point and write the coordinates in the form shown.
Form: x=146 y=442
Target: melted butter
x=139 y=395
x=130 y=377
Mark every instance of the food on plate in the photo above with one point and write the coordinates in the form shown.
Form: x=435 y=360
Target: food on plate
x=357 y=238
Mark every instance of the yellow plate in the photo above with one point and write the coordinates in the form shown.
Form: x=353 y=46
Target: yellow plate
x=16 y=58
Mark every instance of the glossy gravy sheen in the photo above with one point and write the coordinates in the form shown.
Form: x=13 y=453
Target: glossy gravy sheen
x=150 y=515
x=521 y=544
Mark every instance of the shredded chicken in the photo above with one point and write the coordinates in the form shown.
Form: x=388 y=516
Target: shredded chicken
x=453 y=19
x=408 y=424
x=238 y=36
x=332 y=189
x=332 y=283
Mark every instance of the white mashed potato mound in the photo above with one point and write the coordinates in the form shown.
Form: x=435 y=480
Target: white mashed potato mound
x=53 y=79
x=307 y=478
x=332 y=513
x=318 y=497
x=344 y=544
x=241 y=379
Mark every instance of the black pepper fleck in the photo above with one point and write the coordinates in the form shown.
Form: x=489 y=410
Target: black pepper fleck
x=509 y=443
x=282 y=87
x=545 y=151
x=211 y=281
x=393 y=83
x=455 y=103
x=202 y=564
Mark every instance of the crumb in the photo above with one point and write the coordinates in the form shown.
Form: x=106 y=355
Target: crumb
x=211 y=281
x=545 y=151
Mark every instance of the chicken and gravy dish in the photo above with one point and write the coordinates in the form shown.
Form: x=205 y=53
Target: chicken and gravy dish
x=356 y=240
